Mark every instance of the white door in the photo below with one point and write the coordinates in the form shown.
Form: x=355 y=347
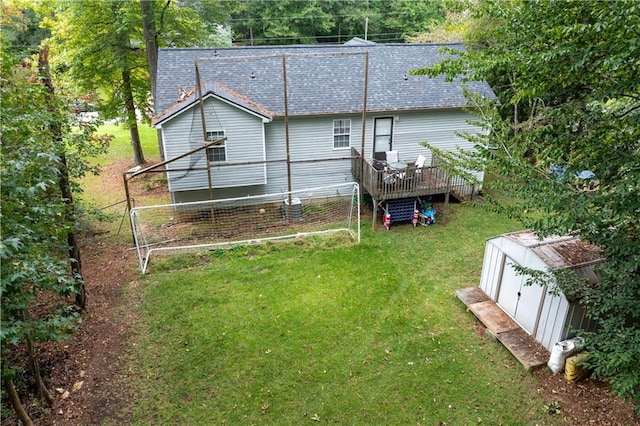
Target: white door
x=508 y=293
x=520 y=301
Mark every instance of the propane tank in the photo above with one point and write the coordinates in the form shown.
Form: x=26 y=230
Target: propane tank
x=415 y=217
x=386 y=220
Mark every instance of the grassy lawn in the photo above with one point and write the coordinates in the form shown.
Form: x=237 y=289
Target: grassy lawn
x=106 y=191
x=121 y=146
x=119 y=150
x=292 y=333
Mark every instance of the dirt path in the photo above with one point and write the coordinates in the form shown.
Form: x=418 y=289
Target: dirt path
x=94 y=362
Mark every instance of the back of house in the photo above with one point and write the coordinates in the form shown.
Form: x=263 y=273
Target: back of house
x=291 y=117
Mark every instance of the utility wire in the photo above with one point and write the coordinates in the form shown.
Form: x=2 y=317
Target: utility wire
x=380 y=37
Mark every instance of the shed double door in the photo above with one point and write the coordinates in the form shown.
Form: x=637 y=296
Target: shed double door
x=520 y=301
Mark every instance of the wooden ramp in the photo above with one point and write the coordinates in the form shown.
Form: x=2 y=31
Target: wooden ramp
x=500 y=325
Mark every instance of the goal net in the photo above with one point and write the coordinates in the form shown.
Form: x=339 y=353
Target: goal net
x=246 y=220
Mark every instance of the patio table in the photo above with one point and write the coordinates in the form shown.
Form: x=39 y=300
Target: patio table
x=398 y=165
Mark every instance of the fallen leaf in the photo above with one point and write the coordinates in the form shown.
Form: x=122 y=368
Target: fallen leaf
x=77 y=386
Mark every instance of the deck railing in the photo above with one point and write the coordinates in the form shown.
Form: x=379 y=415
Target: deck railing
x=387 y=184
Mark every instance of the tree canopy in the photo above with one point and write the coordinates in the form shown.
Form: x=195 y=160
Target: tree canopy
x=564 y=145
x=101 y=46
x=39 y=261
x=258 y=22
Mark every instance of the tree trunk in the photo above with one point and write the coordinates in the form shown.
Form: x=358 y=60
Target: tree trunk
x=151 y=41
x=127 y=92
x=516 y=115
x=132 y=122
x=41 y=389
x=63 y=179
x=10 y=388
x=72 y=238
x=151 y=48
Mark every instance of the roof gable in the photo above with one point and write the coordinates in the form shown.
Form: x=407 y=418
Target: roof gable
x=189 y=98
x=320 y=79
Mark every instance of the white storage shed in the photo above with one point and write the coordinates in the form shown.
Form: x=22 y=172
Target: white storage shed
x=548 y=318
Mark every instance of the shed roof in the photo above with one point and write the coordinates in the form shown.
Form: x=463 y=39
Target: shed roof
x=321 y=79
x=558 y=251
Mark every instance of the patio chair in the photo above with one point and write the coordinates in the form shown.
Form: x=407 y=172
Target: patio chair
x=392 y=156
x=379 y=164
x=420 y=163
x=409 y=174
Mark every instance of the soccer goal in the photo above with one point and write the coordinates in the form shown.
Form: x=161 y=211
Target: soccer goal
x=246 y=220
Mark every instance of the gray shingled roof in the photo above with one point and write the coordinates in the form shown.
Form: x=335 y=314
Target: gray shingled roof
x=321 y=79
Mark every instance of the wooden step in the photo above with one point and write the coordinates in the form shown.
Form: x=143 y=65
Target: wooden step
x=521 y=344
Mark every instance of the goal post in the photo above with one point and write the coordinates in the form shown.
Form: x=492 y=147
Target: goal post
x=224 y=223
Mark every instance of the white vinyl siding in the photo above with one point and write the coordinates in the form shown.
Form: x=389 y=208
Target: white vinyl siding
x=438 y=127
x=245 y=143
x=248 y=139
x=341 y=134
x=307 y=141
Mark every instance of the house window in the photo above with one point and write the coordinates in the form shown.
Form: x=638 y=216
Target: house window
x=341 y=134
x=216 y=153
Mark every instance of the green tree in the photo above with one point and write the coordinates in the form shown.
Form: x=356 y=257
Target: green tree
x=567 y=76
x=20 y=27
x=330 y=21
x=37 y=220
x=410 y=16
x=111 y=47
x=101 y=44
x=189 y=23
x=280 y=22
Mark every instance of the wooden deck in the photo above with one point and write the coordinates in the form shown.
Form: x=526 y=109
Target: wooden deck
x=385 y=185
x=499 y=325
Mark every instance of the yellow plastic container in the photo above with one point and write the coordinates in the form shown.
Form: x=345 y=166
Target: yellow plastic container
x=573 y=368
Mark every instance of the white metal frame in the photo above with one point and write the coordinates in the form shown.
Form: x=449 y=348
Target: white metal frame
x=144 y=249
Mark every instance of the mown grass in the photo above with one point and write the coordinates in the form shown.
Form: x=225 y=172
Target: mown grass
x=121 y=145
x=357 y=334
x=102 y=191
x=105 y=192
x=310 y=332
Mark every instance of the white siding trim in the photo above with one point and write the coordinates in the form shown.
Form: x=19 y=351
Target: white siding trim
x=164 y=149
x=204 y=98
x=264 y=154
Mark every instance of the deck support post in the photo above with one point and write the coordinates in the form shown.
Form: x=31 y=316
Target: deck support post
x=375 y=214
x=446 y=207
